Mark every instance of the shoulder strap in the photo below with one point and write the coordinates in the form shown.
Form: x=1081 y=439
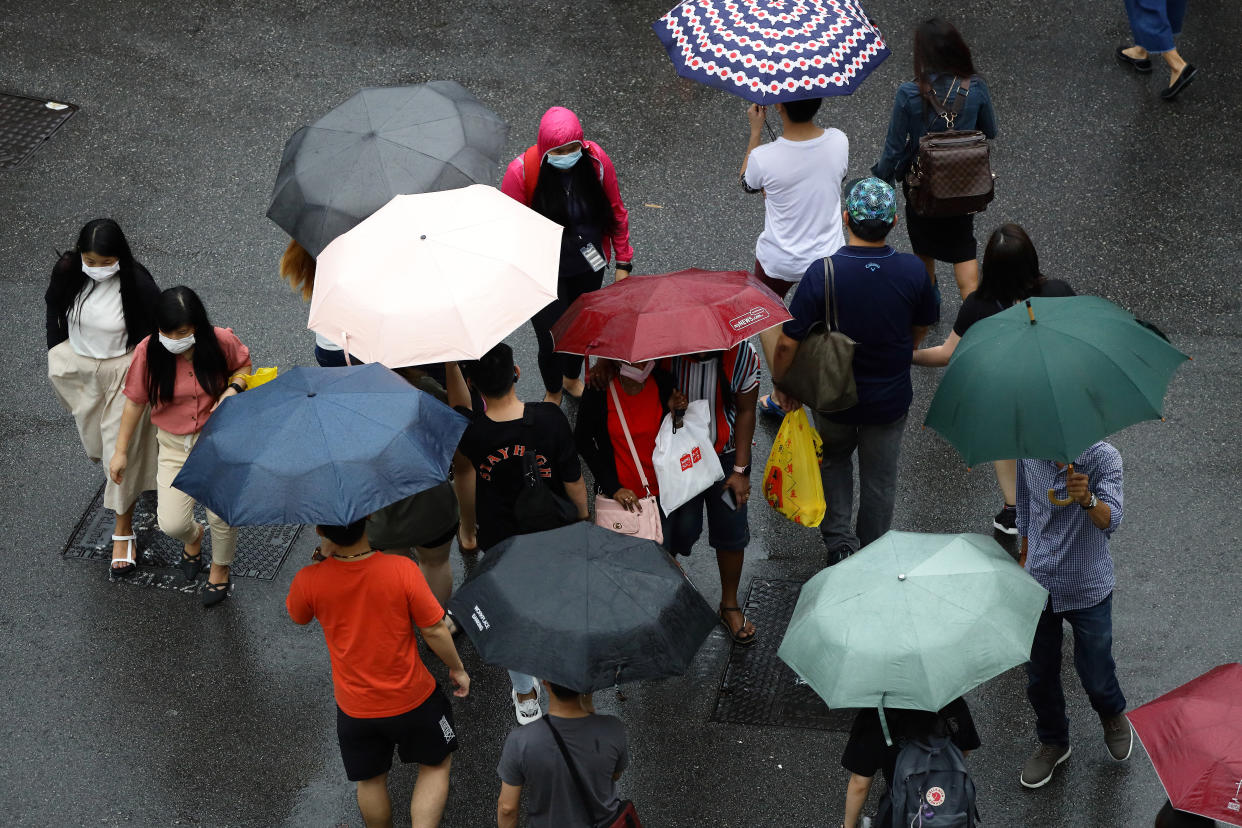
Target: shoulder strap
x=530 y=167
x=832 y=316
x=642 y=475
x=959 y=101
x=587 y=802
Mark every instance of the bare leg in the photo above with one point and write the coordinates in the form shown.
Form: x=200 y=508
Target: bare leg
x=219 y=574
x=768 y=340
x=967 y=276
x=430 y=794
x=1007 y=479
x=1176 y=65
x=930 y=264
x=463 y=485
x=124 y=526
x=374 y=803
x=434 y=562
x=729 y=562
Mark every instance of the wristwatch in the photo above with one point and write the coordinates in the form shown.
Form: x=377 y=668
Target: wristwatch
x=1092 y=504
x=742 y=470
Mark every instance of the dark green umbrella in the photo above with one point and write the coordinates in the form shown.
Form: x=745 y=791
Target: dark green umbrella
x=1047 y=378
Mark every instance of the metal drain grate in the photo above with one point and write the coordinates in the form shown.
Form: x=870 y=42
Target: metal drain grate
x=25 y=123
x=260 y=549
x=758 y=688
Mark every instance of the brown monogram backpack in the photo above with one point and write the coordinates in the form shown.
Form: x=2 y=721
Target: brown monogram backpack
x=952 y=173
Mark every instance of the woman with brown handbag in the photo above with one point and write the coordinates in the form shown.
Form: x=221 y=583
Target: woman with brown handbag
x=942 y=61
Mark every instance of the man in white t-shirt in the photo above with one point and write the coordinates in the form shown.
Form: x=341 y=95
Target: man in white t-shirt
x=800 y=176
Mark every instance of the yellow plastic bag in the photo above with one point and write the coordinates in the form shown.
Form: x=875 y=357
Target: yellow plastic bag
x=260 y=376
x=791 y=480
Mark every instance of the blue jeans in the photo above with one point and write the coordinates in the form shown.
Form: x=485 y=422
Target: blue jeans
x=879 y=450
x=522 y=683
x=1154 y=23
x=1093 y=659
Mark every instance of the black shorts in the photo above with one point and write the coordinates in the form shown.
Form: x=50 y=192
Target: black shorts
x=424 y=736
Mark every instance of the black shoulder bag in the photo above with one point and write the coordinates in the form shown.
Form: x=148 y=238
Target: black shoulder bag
x=623 y=817
x=537 y=508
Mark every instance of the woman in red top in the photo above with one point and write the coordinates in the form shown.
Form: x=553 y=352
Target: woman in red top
x=183 y=373
x=646 y=396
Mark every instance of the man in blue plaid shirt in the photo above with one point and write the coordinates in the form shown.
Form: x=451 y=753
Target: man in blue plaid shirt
x=1065 y=548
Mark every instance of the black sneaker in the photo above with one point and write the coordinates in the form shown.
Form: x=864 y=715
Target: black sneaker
x=1006 y=520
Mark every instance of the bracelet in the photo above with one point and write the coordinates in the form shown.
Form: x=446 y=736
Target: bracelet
x=236 y=387
x=628 y=267
x=741 y=469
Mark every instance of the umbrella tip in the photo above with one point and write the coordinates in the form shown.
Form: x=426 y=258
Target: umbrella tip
x=1030 y=311
x=423 y=237
x=901 y=577
x=311 y=393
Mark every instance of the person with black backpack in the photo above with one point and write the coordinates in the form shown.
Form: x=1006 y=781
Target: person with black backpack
x=944 y=82
x=527 y=474
x=922 y=764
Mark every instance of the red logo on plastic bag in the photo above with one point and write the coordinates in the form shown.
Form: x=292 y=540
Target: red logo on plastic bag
x=696 y=454
x=686 y=462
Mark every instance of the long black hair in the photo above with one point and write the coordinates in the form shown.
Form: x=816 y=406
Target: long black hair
x=70 y=285
x=551 y=200
x=1010 y=271
x=177 y=308
x=939 y=49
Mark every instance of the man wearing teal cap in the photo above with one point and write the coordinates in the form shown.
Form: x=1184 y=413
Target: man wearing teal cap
x=885 y=303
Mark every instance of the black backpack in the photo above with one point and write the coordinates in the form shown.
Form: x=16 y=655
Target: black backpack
x=930 y=787
x=537 y=508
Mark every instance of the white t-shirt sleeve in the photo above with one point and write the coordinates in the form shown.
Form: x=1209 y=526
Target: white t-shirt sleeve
x=754 y=169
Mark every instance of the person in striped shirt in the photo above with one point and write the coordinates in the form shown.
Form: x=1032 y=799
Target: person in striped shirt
x=730 y=380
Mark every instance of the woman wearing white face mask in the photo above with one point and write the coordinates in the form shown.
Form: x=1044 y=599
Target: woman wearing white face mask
x=184 y=373
x=645 y=396
x=571 y=181
x=100 y=305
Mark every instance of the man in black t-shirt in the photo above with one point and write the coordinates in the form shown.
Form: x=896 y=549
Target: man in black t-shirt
x=497 y=442
x=866 y=751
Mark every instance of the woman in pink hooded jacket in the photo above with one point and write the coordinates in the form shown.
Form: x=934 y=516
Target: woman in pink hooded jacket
x=572 y=182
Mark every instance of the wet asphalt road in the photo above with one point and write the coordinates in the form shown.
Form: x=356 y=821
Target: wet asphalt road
x=131 y=706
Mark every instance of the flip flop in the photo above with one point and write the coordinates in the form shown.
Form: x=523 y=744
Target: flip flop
x=739 y=638
x=767 y=405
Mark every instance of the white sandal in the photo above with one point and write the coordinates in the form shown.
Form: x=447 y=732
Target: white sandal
x=129 y=564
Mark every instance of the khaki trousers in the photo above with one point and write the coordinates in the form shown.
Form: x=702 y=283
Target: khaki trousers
x=175 y=508
x=90 y=390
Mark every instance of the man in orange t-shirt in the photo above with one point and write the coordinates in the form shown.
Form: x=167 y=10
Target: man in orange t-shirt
x=369 y=605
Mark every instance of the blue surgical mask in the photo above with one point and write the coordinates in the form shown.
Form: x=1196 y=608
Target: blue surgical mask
x=565 y=162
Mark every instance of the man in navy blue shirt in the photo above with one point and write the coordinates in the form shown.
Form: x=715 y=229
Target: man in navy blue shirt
x=885 y=303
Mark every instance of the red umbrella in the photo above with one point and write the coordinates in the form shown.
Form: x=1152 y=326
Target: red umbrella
x=1194 y=737
x=687 y=312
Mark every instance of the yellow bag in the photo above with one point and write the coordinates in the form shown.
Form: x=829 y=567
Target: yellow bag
x=791 y=480
x=260 y=376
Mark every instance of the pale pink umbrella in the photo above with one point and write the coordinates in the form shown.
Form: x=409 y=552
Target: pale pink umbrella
x=435 y=277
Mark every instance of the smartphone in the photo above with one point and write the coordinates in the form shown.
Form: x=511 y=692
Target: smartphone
x=729 y=498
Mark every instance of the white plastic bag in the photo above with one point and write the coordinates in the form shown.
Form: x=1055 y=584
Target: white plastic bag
x=685 y=461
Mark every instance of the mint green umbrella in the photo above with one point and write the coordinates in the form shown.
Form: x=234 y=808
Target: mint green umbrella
x=1049 y=377
x=912 y=621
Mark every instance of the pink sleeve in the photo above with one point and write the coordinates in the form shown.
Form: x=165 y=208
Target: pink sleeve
x=136 y=377
x=621 y=235
x=235 y=353
x=514 y=183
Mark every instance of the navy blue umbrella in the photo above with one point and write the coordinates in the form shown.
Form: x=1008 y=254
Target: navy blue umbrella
x=320 y=445
x=771 y=52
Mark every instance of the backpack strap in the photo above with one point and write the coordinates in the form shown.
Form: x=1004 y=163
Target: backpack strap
x=587 y=802
x=959 y=101
x=531 y=160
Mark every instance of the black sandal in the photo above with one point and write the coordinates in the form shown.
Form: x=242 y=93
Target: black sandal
x=191 y=565
x=740 y=638
x=215 y=593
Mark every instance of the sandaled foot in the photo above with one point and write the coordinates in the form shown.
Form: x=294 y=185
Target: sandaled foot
x=215 y=593
x=191 y=565
x=126 y=565
x=743 y=634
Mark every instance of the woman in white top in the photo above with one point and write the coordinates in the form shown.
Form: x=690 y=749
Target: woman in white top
x=100 y=304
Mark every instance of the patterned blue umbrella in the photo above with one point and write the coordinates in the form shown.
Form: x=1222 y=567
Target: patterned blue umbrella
x=771 y=51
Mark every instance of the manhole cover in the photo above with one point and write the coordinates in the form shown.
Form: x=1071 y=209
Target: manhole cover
x=760 y=689
x=260 y=549
x=25 y=123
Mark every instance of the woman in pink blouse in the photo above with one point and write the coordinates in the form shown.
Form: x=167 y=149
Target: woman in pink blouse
x=184 y=373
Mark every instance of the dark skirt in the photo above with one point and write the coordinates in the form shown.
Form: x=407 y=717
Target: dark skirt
x=944 y=238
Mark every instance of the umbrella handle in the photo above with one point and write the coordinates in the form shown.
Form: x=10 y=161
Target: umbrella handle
x=1058 y=501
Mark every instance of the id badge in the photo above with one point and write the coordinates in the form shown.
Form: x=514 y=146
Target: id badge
x=593 y=257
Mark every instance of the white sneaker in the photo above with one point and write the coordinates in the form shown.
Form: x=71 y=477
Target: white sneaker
x=529 y=710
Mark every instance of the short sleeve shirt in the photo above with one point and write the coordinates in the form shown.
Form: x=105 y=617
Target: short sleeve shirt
x=701 y=380
x=531 y=760
x=370 y=610
x=866 y=752
x=643 y=415
x=497 y=451
x=881 y=294
x=190 y=406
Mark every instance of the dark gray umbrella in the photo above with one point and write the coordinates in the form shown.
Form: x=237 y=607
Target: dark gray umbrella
x=583 y=607
x=382 y=142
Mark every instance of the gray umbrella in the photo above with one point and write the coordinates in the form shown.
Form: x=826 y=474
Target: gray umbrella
x=382 y=142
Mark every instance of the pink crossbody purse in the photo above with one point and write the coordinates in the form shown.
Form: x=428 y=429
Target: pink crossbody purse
x=612 y=515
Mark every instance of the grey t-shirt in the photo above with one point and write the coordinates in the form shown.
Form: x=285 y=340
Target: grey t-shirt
x=530 y=759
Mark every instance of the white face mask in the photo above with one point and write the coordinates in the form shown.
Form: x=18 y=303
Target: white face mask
x=637 y=374
x=101 y=273
x=177 y=346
